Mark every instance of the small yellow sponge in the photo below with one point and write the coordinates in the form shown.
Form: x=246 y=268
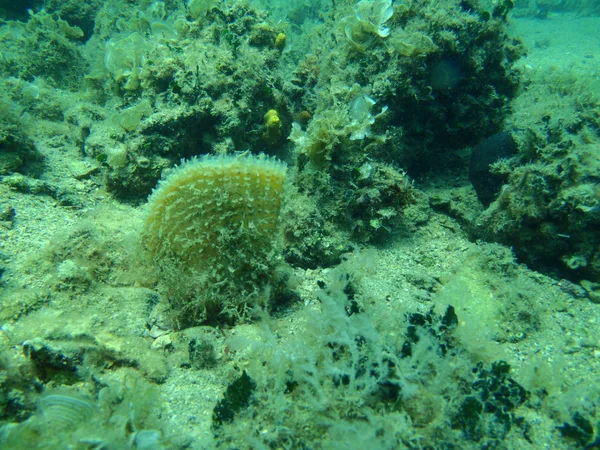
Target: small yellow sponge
x=206 y=198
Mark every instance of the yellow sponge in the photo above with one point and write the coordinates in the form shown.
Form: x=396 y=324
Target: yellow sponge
x=214 y=219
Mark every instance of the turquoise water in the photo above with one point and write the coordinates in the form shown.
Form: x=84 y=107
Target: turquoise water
x=387 y=237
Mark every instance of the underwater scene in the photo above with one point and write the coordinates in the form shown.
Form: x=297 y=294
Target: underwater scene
x=311 y=224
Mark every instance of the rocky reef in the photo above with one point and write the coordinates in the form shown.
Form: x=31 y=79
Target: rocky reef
x=313 y=224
